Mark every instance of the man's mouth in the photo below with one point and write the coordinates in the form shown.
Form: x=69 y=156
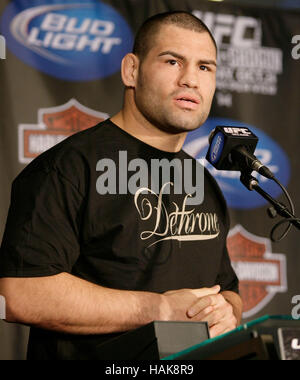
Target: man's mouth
x=186 y=101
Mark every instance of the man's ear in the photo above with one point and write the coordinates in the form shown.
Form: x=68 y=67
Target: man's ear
x=129 y=70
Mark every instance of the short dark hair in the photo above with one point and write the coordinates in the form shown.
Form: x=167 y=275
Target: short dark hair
x=146 y=34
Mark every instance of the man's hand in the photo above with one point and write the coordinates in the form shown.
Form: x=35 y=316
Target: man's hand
x=177 y=303
x=216 y=311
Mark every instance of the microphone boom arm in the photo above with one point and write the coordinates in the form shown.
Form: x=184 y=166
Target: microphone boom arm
x=252 y=183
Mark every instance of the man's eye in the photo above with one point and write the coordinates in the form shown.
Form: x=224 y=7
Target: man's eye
x=172 y=62
x=203 y=68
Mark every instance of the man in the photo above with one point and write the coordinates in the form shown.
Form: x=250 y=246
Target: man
x=75 y=263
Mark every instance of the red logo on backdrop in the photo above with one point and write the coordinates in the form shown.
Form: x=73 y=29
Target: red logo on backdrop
x=54 y=125
x=262 y=273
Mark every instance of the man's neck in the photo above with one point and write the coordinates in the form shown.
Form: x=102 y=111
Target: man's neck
x=143 y=130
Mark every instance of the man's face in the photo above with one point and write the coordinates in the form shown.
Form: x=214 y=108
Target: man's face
x=177 y=80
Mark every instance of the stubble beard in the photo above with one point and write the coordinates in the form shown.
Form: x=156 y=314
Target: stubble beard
x=160 y=116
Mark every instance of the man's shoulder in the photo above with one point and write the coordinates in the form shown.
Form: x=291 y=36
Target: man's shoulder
x=73 y=154
x=85 y=141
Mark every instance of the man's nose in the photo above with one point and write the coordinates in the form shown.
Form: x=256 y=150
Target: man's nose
x=188 y=77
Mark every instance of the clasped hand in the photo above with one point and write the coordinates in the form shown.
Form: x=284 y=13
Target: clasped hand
x=201 y=305
x=216 y=311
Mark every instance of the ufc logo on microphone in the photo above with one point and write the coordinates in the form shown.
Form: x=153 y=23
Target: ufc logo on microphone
x=237 y=131
x=296 y=49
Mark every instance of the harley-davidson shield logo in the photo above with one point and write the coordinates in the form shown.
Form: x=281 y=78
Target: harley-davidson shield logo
x=54 y=125
x=262 y=273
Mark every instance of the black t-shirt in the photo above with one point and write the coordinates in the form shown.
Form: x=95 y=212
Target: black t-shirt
x=146 y=241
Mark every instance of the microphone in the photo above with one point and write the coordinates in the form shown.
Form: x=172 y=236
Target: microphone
x=232 y=148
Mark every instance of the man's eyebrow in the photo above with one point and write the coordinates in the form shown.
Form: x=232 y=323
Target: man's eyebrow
x=176 y=55
x=181 y=57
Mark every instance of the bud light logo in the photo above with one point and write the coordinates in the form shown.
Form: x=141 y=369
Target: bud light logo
x=268 y=152
x=70 y=40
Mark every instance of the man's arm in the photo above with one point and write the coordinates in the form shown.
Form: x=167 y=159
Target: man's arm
x=69 y=304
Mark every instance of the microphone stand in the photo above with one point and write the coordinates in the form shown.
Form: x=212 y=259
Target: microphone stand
x=252 y=183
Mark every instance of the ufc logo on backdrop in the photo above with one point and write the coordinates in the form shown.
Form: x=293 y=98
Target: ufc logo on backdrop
x=2 y=308
x=233 y=30
x=2 y=47
x=296 y=309
x=296 y=49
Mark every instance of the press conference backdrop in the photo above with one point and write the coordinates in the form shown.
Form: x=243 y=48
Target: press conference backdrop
x=62 y=75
